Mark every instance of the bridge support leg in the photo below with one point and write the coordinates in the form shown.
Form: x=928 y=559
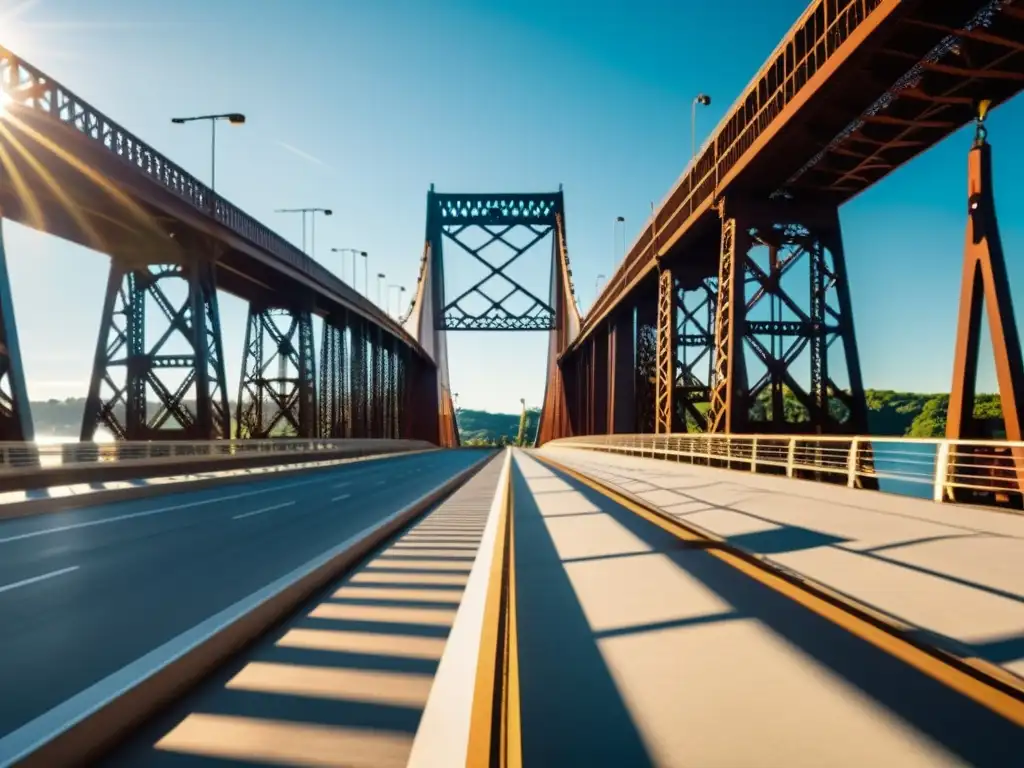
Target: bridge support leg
x=622 y=373
x=646 y=363
x=277 y=392
x=665 y=418
x=775 y=260
x=333 y=400
x=985 y=282
x=695 y=340
x=402 y=422
x=133 y=368
x=599 y=384
x=15 y=412
x=358 y=377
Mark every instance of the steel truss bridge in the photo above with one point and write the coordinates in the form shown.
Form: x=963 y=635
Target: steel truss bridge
x=648 y=584
x=734 y=294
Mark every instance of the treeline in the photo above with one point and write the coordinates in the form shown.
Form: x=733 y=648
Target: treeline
x=485 y=428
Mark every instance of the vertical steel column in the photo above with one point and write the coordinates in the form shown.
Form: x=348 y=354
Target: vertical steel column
x=622 y=372
x=727 y=412
x=333 y=381
x=665 y=419
x=357 y=326
x=646 y=362
x=15 y=412
x=985 y=282
x=599 y=373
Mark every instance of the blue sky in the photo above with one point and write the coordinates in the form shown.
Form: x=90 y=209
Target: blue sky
x=360 y=106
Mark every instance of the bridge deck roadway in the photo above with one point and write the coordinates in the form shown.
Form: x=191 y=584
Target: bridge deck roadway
x=956 y=572
x=83 y=593
x=638 y=649
x=346 y=681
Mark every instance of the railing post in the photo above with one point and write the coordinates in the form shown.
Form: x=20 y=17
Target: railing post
x=753 y=454
x=941 y=472
x=790 y=456
x=851 y=464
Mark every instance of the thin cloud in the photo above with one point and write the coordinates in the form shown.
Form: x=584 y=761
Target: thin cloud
x=304 y=155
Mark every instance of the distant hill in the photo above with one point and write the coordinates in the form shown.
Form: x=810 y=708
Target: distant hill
x=485 y=428
x=890 y=413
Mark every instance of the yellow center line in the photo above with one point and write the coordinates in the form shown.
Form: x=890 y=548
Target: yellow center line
x=494 y=736
x=981 y=681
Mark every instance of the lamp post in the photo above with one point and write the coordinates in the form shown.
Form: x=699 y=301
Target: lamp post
x=235 y=118
x=615 y=242
x=401 y=292
x=381 y=277
x=356 y=252
x=313 y=212
x=704 y=100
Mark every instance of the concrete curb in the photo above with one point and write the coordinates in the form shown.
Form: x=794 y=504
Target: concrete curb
x=33 y=507
x=82 y=728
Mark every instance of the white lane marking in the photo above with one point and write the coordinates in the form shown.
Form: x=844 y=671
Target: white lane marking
x=161 y=510
x=34 y=579
x=148 y=512
x=341 y=485
x=342 y=497
x=261 y=511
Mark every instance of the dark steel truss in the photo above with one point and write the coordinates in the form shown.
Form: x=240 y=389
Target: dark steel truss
x=334 y=401
x=760 y=320
x=15 y=412
x=695 y=344
x=277 y=393
x=539 y=315
x=452 y=217
x=129 y=370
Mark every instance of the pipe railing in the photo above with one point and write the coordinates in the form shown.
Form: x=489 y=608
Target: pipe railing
x=946 y=466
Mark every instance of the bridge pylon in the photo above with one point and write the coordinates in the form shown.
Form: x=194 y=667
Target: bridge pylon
x=15 y=411
x=277 y=390
x=134 y=361
x=774 y=317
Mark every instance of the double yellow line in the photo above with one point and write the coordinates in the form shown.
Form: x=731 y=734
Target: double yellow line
x=495 y=735
x=979 y=680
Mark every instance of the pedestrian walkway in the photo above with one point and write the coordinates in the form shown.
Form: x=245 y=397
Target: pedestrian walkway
x=956 y=572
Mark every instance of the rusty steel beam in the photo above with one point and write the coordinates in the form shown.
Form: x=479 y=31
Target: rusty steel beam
x=824 y=59
x=665 y=420
x=984 y=283
x=621 y=373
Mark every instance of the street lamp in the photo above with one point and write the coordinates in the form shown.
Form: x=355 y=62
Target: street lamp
x=597 y=282
x=615 y=245
x=313 y=212
x=380 y=280
x=235 y=118
x=401 y=292
x=366 y=277
x=704 y=100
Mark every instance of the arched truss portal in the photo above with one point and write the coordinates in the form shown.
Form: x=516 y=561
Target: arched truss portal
x=453 y=217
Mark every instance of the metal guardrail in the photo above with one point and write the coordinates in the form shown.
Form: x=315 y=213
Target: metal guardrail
x=18 y=457
x=947 y=466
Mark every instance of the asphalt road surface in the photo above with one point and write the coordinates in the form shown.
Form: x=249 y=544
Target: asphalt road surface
x=85 y=592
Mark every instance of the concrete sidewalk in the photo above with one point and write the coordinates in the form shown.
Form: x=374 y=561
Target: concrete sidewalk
x=954 y=571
